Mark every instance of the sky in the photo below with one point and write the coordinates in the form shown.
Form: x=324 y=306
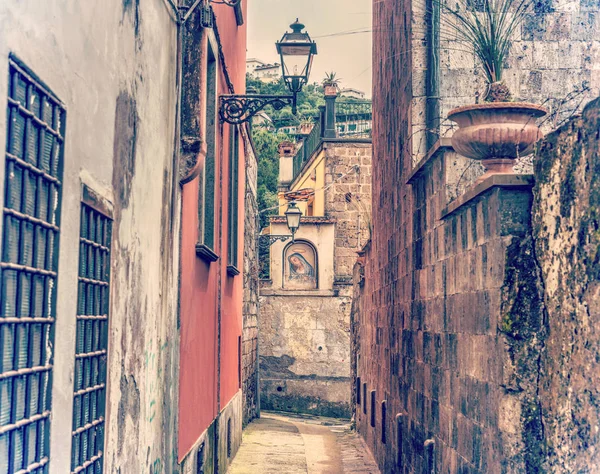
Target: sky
x=349 y=55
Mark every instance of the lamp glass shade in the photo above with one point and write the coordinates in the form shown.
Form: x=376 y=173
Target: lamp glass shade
x=292 y=216
x=296 y=50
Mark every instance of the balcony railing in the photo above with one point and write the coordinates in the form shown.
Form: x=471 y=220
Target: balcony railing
x=354 y=119
x=309 y=145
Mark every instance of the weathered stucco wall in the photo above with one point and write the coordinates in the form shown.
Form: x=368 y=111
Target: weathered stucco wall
x=566 y=219
x=305 y=353
x=113 y=64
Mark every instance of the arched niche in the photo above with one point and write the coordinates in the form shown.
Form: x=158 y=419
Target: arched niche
x=300 y=266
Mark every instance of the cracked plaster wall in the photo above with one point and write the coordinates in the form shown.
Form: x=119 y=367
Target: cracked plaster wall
x=113 y=64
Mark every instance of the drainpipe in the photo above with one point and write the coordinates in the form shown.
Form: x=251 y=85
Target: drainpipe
x=432 y=86
x=257 y=256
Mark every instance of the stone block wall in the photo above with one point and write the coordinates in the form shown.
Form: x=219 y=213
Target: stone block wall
x=449 y=330
x=473 y=323
x=566 y=219
x=250 y=300
x=554 y=61
x=348 y=200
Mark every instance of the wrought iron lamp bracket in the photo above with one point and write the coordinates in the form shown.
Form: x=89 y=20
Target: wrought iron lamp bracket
x=237 y=109
x=271 y=239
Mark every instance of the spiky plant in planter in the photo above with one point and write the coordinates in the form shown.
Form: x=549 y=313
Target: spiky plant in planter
x=331 y=83
x=498 y=131
x=487 y=26
x=306 y=125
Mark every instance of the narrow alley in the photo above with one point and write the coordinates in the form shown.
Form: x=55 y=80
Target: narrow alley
x=277 y=443
x=300 y=237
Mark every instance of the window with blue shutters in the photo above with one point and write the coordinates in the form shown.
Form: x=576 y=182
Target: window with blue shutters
x=28 y=269
x=89 y=401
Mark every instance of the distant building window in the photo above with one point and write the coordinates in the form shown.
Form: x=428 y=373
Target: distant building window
x=300 y=266
x=32 y=181
x=310 y=207
x=206 y=192
x=232 y=237
x=89 y=397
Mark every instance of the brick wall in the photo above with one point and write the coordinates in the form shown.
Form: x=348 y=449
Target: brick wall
x=250 y=301
x=473 y=326
x=448 y=324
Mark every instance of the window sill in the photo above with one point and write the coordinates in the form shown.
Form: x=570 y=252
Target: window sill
x=232 y=270
x=206 y=253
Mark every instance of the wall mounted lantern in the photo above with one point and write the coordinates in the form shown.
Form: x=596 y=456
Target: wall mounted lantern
x=296 y=51
x=292 y=217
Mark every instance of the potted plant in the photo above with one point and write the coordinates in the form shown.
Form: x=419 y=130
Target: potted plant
x=497 y=131
x=331 y=84
x=306 y=125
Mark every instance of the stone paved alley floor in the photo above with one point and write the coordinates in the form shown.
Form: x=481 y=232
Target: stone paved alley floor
x=281 y=444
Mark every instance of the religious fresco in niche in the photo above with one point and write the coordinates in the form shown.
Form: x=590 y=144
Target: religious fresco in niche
x=300 y=267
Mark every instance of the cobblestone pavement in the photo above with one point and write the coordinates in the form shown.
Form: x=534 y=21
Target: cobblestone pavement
x=288 y=444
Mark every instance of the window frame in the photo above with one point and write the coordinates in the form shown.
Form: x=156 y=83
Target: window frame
x=95 y=330
x=43 y=124
x=206 y=243
x=233 y=202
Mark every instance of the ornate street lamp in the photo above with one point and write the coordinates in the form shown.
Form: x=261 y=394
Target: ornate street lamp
x=296 y=51
x=292 y=217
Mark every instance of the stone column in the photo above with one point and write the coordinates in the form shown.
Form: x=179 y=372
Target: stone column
x=330 y=131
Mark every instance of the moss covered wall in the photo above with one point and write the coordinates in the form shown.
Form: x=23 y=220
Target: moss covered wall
x=566 y=215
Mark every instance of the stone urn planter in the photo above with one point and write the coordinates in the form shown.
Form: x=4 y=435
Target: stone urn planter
x=330 y=90
x=496 y=133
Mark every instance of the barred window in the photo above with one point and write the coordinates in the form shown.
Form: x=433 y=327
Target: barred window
x=29 y=264
x=89 y=402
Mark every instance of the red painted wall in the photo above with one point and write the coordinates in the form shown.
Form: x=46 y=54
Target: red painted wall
x=206 y=288
x=233 y=41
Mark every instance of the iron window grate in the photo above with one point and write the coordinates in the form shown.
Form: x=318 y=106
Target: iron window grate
x=91 y=344
x=28 y=269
